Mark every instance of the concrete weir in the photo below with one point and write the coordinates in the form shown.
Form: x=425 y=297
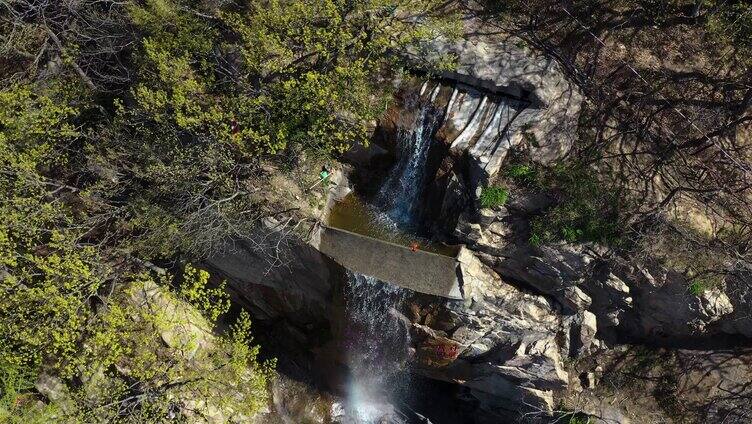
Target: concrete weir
x=420 y=271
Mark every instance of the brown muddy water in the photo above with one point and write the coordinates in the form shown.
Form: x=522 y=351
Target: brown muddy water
x=354 y=215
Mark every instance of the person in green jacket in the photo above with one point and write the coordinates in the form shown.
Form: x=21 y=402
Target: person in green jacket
x=324 y=174
x=323 y=177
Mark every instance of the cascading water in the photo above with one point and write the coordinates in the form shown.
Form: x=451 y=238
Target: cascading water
x=376 y=343
x=376 y=336
x=400 y=196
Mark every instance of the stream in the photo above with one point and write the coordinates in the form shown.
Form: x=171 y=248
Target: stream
x=377 y=336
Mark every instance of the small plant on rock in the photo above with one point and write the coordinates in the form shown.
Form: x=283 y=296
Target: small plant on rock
x=521 y=173
x=536 y=239
x=493 y=196
x=697 y=287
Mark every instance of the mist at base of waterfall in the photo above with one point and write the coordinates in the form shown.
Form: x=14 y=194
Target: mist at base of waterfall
x=376 y=346
x=362 y=406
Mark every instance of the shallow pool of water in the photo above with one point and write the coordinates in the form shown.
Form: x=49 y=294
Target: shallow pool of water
x=354 y=215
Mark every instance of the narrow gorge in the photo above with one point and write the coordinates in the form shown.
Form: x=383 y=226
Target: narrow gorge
x=504 y=329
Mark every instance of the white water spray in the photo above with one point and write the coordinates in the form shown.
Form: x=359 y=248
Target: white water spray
x=401 y=193
x=377 y=344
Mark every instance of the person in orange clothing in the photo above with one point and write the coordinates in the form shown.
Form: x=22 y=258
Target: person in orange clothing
x=414 y=246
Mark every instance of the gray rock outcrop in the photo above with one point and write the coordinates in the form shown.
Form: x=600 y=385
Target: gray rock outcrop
x=629 y=299
x=503 y=64
x=500 y=342
x=290 y=280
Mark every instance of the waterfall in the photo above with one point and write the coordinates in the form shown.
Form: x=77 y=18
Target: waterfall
x=401 y=193
x=376 y=343
x=376 y=337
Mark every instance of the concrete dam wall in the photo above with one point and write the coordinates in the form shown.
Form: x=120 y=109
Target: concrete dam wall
x=420 y=271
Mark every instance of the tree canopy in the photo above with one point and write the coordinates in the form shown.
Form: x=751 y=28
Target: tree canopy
x=138 y=136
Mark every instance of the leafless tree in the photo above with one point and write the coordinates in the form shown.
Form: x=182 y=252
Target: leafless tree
x=43 y=37
x=665 y=134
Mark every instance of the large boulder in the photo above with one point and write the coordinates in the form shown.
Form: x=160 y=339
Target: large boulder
x=284 y=278
x=558 y=271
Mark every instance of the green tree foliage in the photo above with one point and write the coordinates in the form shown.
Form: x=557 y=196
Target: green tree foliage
x=45 y=276
x=267 y=75
x=17 y=402
x=220 y=88
x=149 y=335
x=142 y=351
x=69 y=311
x=731 y=23
x=584 y=209
x=138 y=131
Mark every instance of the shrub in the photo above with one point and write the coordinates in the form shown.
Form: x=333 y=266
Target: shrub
x=535 y=239
x=585 y=210
x=521 y=173
x=571 y=234
x=731 y=25
x=493 y=196
x=18 y=402
x=697 y=287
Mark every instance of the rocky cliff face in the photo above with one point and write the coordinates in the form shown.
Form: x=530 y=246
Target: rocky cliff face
x=589 y=303
x=633 y=301
x=500 y=341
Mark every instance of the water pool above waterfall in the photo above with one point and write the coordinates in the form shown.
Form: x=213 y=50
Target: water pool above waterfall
x=394 y=214
x=443 y=132
x=354 y=215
